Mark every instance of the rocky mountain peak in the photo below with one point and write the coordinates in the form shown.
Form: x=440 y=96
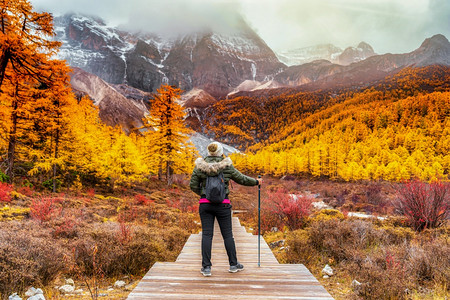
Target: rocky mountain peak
x=436 y=41
x=215 y=61
x=355 y=54
x=366 y=47
x=434 y=50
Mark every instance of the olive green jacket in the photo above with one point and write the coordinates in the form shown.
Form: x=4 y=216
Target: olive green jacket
x=211 y=166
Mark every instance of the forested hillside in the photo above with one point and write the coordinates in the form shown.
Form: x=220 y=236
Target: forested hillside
x=396 y=130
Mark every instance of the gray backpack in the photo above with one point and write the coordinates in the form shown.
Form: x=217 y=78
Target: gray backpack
x=215 y=190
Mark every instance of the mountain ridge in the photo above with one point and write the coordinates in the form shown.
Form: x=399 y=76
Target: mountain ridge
x=213 y=61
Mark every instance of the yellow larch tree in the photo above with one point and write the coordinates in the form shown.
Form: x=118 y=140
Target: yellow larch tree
x=166 y=134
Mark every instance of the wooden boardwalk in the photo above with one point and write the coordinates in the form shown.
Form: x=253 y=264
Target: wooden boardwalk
x=182 y=279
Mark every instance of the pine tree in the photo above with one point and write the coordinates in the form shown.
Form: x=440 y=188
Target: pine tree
x=166 y=135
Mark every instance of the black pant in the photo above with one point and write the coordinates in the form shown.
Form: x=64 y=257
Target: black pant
x=208 y=212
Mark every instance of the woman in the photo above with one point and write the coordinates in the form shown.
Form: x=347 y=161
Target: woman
x=212 y=165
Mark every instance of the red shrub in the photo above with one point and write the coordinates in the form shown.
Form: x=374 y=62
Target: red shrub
x=128 y=214
x=281 y=208
x=183 y=204
x=66 y=227
x=90 y=193
x=26 y=190
x=142 y=200
x=43 y=209
x=5 y=190
x=425 y=205
x=125 y=233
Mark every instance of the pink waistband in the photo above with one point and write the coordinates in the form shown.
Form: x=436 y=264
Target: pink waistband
x=204 y=200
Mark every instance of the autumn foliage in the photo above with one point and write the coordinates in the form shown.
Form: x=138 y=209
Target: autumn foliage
x=53 y=137
x=397 y=131
x=425 y=205
x=280 y=209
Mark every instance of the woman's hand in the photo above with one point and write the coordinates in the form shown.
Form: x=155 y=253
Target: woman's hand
x=260 y=180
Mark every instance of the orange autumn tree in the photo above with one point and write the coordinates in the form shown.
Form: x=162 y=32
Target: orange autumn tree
x=166 y=137
x=16 y=107
x=25 y=51
x=25 y=39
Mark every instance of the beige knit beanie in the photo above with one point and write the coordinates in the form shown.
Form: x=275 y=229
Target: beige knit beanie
x=215 y=149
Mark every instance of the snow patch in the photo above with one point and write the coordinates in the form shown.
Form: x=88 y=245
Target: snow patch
x=364 y=216
x=253 y=68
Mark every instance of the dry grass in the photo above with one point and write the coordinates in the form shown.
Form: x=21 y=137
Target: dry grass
x=89 y=237
x=134 y=229
x=390 y=262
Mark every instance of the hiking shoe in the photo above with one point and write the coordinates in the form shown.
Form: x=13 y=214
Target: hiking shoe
x=236 y=268
x=206 y=271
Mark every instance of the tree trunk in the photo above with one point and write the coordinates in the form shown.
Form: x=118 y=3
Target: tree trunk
x=4 y=59
x=160 y=172
x=56 y=157
x=169 y=173
x=12 y=143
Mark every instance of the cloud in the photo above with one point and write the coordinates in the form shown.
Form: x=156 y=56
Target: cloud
x=166 y=17
x=388 y=25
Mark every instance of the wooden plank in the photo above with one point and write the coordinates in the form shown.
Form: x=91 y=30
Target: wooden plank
x=182 y=279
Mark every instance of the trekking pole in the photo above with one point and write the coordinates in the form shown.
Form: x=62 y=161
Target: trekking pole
x=259 y=223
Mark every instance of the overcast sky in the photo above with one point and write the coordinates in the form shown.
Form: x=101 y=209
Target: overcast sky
x=395 y=26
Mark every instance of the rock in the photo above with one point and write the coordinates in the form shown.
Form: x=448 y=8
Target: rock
x=37 y=297
x=78 y=292
x=14 y=297
x=119 y=284
x=326 y=276
x=356 y=286
x=67 y=289
x=274 y=229
x=129 y=287
x=277 y=244
x=355 y=283
x=35 y=294
x=102 y=295
x=70 y=282
x=31 y=292
x=327 y=270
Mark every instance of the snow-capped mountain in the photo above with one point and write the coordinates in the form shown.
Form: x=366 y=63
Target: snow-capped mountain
x=326 y=52
x=324 y=74
x=213 y=61
x=308 y=54
x=355 y=54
